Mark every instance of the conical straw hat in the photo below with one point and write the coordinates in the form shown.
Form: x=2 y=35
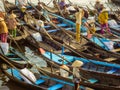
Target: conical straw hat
x=77 y=63
x=12 y=16
x=64 y=67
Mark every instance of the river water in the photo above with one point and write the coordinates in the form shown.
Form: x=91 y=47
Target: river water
x=4 y=81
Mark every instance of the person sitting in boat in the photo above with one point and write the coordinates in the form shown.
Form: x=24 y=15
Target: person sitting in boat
x=103 y=20
x=12 y=24
x=3 y=30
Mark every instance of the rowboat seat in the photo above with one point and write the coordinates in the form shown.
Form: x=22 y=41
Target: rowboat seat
x=16 y=59
x=69 y=28
x=92 y=80
x=58 y=59
x=39 y=81
x=60 y=25
x=10 y=54
x=15 y=73
x=112 y=71
x=116 y=50
x=56 y=86
x=110 y=59
x=47 y=26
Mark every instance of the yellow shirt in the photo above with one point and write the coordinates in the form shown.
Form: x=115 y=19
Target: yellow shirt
x=103 y=18
x=3 y=27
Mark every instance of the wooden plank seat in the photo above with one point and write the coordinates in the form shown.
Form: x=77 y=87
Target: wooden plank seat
x=110 y=59
x=56 y=86
x=15 y=58
x=112 y=71
x=92 y=80
x=39 y=81
x=15 y=73
x=10 y=54
x=116 y=50
x=60 y=25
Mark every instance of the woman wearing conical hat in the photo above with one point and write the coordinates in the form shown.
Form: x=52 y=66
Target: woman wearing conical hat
x=103 y=20
x=12 y=24
x=3 y=30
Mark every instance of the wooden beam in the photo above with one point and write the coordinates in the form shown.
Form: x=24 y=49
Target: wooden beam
x=110 y=59
x=116 y=50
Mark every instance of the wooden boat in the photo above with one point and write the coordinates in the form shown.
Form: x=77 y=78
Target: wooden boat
x=43 y=82
x=92 y=80
x=100 y=72
x=108 y=56
x=15 y=58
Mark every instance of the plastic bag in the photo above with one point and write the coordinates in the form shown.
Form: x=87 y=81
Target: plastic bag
x=4 y=47
x=110 y=45
x=28 y=76
x=63 y=72
x=37 y=36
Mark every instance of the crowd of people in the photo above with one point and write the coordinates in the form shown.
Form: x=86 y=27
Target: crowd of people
x=82 y=15
x=81 y=18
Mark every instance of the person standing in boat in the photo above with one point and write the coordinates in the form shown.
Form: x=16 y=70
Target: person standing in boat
x=62 y=4
x=3 y=30
x=97 y=6
x=103 y=20
x=12 y=24
x=22 y=10
x=76 y=74
x=78 y=16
